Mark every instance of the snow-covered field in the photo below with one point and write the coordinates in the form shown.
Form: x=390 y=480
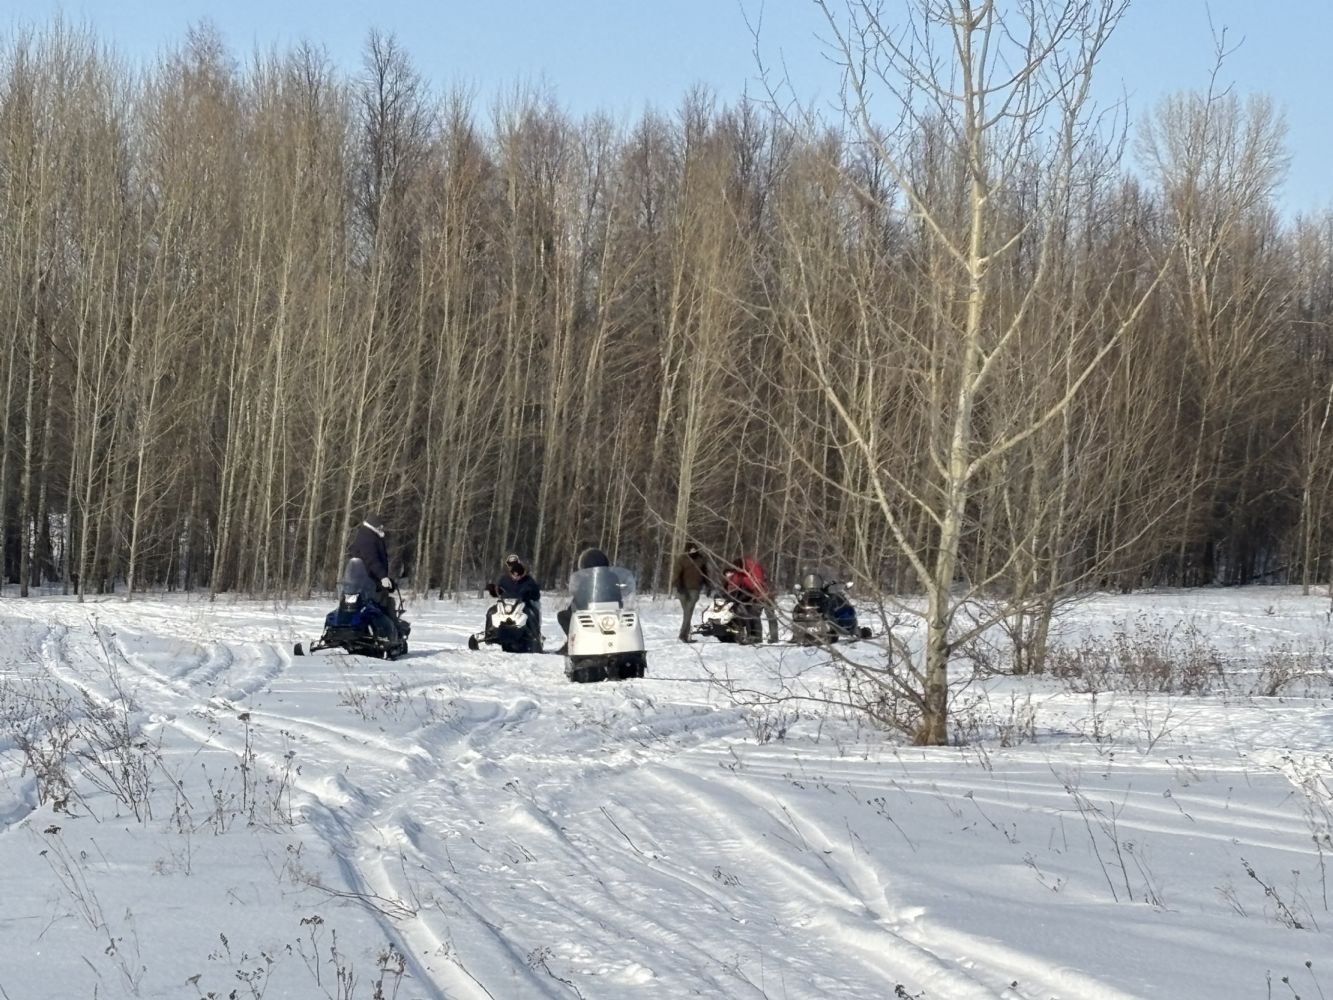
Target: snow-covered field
x=186 y=810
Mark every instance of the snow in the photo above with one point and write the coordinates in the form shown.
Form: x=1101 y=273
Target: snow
x=307 y=827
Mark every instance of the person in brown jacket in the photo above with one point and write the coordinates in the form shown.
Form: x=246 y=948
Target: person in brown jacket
x=689 y=578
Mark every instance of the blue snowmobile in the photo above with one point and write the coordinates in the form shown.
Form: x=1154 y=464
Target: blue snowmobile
x=823 y=613
x=359 y=624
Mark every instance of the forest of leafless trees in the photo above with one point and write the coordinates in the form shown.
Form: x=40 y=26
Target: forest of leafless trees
x=244 y=300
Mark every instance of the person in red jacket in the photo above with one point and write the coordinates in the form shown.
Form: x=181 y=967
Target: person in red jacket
x=744 y=580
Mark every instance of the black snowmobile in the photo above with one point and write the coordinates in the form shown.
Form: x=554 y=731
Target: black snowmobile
x=823 y=614
x=359 y=625
x=511 y=623
x=728 y=617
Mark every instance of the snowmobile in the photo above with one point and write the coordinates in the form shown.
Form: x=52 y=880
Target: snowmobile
x=605 y=634
x=823 y=614
x=359 y=625
x=510 y=624
x=729 y=618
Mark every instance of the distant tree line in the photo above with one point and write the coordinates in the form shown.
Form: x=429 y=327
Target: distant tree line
x=243 y=303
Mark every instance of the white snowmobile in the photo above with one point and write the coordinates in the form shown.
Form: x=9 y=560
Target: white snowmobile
x=511 y=624
x=728 y=619
x=605 y=634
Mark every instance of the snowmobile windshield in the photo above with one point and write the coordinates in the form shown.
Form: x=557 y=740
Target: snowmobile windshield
x=613 y=585
x=356 y=581
x=831 y=579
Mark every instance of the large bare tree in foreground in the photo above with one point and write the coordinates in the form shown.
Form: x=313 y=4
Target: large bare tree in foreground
x=992 y=153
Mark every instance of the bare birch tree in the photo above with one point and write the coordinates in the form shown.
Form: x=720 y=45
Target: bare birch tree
x=1002 y=92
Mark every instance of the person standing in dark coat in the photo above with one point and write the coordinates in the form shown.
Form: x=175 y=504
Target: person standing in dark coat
x=690 y=576
x=369 y=546
x=515 y=584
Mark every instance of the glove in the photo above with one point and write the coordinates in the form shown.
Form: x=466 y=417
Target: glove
x=386 y=583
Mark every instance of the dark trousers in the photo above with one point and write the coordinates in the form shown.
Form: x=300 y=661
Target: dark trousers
x=751 y=608
x=389 y=606
x=688 y=599
x=771 y=613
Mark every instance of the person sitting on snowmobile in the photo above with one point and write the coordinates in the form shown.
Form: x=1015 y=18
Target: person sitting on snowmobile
x=593 y=556
x=588 y=558
x=744 y=582
x=515 y=584
x=369 y=546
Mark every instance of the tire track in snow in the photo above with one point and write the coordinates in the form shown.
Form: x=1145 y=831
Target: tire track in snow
x=214 y=661
x=814 y=894
x=343 y=747
x=176 y=710
x=605 y=884
x=20 y=807
x=609 y=889
x=579 y=897
x=346 y=814
x=387 y=820
x=478 y=747
x=914 y=927
x=23 y=787
x=853 y=906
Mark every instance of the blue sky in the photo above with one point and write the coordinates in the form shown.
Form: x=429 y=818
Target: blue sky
x=619 y=55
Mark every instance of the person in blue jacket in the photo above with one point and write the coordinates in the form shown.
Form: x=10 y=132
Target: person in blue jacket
x=516 y=584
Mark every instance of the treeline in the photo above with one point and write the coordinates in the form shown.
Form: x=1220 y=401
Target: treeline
x=244 y=303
